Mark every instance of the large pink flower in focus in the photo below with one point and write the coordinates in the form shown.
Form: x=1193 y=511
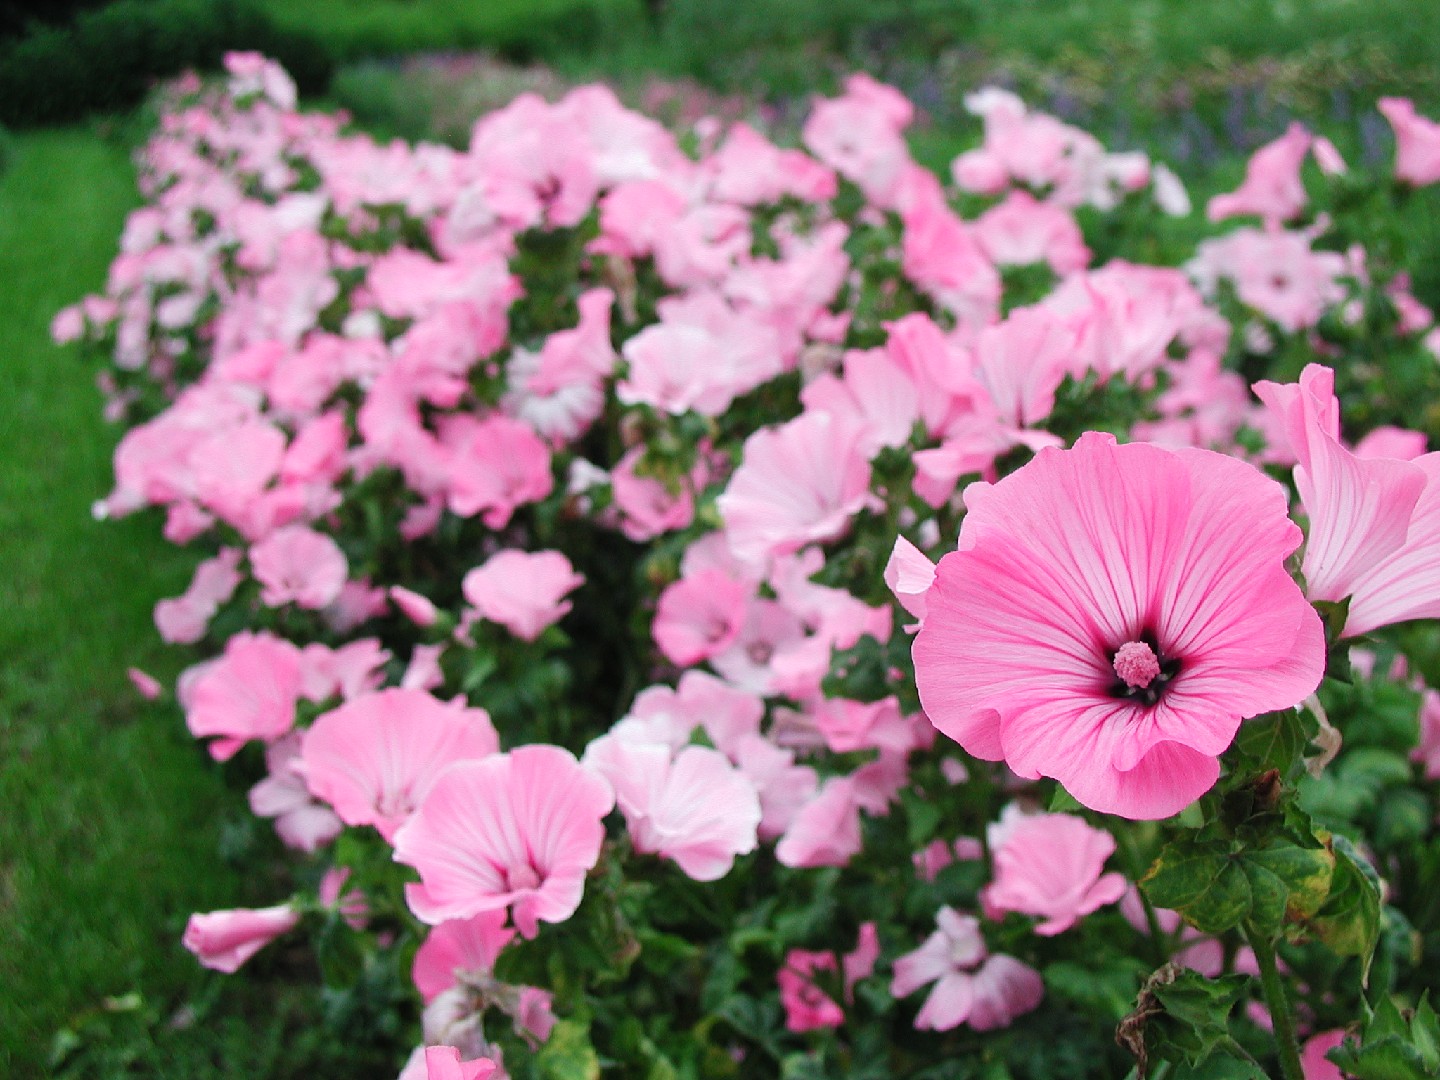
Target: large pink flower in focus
x=515 y=830
x=1111 y=615
x=375 y=759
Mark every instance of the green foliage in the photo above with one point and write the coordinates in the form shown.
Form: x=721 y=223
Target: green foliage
x=1394 y=1046
x=108 y=59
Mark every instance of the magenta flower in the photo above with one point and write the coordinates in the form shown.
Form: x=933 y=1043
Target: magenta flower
x=1049 y=865
x=516 y=830
x=375 y=759
x=1111 y=615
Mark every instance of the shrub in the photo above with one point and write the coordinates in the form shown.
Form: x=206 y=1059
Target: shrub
x=661 y=458
x=108 y=59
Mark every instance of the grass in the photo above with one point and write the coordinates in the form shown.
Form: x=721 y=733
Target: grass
x=107 y=840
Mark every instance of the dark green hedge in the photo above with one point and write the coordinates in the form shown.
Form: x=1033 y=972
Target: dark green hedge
x=108 y=59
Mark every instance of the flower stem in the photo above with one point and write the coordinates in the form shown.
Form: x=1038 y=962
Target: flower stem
x=1279 y=1005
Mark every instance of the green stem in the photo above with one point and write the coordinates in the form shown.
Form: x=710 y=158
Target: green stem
x=1279 y=1005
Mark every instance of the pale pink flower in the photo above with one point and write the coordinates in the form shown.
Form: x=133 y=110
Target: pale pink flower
x=297 y=565
x=300 y=821
x=375 y=758
x=826 y=829
x=1272 y=189
x=860 y=135
x=1022 y=230
x=1405 y=584
x=1049 y=865
x=798 y=483
x=909 y=573
x=424 y=672
x=662 y=715
x=699 y=616
x=183 y=619
x=223 y=940
x=942 y=255
x=517 y=830
x=1118 y=658
x=1022 y=361
x=873 y=389
x=987 y=992
x=1360 y=509
x=1417 y=142
x=695 y=807
x=522 y=590
x=248 y=693
x=784 y=787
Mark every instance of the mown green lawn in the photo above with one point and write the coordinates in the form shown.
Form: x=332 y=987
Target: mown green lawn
x=108 y=826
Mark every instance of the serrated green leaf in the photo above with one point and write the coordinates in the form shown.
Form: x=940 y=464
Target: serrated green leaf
x=1389 y=1058
x=1202 y=883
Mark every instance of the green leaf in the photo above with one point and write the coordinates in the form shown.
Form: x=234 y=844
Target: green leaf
x=567 y=1054
x=1389 y=1058
x=1303 y=872
x=1273 y=741
x=1181 y=1016
x=1202 y=883
x=1062 y=802
x=1108 y=989
x=1425 y=1033
x=1349 y=921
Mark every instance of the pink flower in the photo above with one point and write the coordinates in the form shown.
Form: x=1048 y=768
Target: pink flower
x=1049 y=865
x=807 y=1007
x=300 y=821
x=183 y=619
x=1272 y=189
x=985 y=992
x=375 y=758
x=444 y=1063
x=826 y=830
x=146 y=684
x=223 y=940
x=909 y=575
x=1417 y=142
x=496 y=465
x=522 y=590
x=1428 y=750
x=1022 y=230
x=1312 y=1055
x=799 y=483
x=1360 y=509
x=700 y=616
x=457 y=948
x=517 y=830
x=297 y=565
x=860 y=136
x=1111 y=615
x=418 y=609
x=695 y=808
x=248 y=693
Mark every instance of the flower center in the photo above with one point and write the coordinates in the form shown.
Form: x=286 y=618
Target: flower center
x=1142 y=671
x=522 y=877
x=1136 y=664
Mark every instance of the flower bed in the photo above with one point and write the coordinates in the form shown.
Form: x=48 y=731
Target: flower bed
x=689 y=598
